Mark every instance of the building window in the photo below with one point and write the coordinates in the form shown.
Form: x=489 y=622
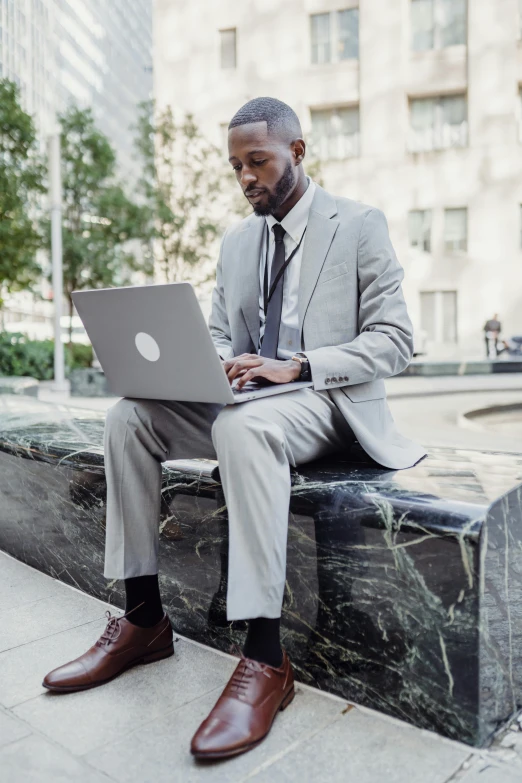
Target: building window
x=348 y=34
x=335 y=36
x=320 y=30
x=438 y=123
x=335 y=133
x=455 y=230
x=419 y=228
x=439 y=316
x=436 y=24
x=228 y=48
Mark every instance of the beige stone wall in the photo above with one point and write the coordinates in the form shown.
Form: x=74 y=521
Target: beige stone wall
x=273 y=52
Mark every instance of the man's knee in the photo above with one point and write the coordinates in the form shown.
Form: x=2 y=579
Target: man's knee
x=240 y=423
x=120 y=413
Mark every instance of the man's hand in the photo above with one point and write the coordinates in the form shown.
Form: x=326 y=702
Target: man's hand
x=249 y=366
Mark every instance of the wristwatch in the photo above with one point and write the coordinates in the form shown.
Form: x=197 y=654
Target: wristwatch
x=306 y=372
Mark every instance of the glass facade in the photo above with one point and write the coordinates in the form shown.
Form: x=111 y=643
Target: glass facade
x=91 y=52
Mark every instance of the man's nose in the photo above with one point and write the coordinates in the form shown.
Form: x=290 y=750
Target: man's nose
x=247 y=178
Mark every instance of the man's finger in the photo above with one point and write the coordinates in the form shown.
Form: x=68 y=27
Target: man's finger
x=249 y=375
x=245 y=358
x=241 y=365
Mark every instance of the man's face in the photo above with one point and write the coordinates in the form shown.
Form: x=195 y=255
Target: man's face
x=263 y=166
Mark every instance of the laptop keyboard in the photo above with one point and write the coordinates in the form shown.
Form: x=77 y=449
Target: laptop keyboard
x=245 y=390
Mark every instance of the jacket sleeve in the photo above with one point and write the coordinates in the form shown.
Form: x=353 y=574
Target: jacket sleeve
x=218 y=321
x=384 y=345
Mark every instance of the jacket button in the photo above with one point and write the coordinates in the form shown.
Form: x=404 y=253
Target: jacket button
x=334 y=380
x=327 y=380
x=346 y=378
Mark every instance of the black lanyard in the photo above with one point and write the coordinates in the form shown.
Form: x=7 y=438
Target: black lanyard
x=266 y=294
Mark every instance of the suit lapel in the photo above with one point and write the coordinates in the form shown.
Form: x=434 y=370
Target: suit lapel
x=319 y=235
x=249 y=253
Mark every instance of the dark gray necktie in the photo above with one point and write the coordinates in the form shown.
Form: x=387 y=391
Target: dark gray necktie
x=273 y=313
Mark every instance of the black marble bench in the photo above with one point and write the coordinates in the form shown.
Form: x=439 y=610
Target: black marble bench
x=404 y=588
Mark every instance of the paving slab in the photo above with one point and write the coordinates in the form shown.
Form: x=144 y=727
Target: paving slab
x=488 y=773
x=44 y=616
x=11 y=729
x=148 y=715
x=18 y=589
x=363 y=747
x=23 y=668
x=36 y=760
x=164 y=744
x=87 y=719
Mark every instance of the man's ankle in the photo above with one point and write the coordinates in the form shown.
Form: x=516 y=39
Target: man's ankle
x=263 y=643
x=143 y=605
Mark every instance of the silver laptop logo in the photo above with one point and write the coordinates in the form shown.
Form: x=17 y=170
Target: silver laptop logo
x=147 y=346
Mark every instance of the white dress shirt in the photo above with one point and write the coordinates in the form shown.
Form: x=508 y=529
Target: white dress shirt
x=294 y=224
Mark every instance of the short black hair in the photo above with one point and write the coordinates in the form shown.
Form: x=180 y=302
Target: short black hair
x=280 y=118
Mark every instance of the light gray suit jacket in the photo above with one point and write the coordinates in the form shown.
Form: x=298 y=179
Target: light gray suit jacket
x=355 y=329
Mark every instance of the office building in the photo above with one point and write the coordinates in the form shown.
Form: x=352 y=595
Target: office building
x=95 y=53
x=413 y=106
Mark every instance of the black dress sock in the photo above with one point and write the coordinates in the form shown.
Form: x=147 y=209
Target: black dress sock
x=143 y=590
x=263 y=643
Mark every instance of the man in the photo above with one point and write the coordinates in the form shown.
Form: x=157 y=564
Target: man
x=492 y=329
x=335 y=315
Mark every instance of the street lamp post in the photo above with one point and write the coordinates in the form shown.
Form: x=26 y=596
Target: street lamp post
x=55 y=192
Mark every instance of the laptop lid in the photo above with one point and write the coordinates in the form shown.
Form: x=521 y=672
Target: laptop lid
x=153 y=342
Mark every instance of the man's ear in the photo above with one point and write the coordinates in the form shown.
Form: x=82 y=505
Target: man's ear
x=299 y=149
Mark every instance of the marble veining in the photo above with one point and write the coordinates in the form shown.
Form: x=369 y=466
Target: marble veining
x=404 y=588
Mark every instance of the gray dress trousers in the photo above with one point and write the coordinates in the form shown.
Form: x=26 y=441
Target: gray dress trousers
x=255 y=443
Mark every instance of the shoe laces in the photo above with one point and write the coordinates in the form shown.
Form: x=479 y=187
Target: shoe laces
x=245 y=670
x=113 y=628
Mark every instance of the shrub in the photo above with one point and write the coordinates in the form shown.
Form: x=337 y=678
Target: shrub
x=21 y=356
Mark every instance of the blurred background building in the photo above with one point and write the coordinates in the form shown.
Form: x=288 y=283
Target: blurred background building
x=413 y=106
x=96 y=53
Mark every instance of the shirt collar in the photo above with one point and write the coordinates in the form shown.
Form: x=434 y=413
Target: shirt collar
x=295 y=222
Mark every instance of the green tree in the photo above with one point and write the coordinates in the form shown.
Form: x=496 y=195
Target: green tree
x=187 y=191
x=98 y=217
x=21 y=186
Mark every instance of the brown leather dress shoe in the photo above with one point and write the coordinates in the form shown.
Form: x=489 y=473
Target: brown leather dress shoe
x=244 y=713
x=121 y=646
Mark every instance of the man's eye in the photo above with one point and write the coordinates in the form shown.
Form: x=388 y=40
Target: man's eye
x=259 y=162
x=236 y=168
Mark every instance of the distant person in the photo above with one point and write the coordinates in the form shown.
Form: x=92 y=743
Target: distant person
x=336 y=318
x=492 y=329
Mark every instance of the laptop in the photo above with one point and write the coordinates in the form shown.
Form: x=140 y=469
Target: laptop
x=153 y=342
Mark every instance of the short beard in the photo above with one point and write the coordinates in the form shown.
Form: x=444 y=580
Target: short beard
x=280 y=194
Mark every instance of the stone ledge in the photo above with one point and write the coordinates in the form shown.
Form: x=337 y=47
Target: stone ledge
x=404 y=588
x=474 y=367
x=22 y=384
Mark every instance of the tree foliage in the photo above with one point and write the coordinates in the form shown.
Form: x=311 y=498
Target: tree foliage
x=98 y=217
x=21 y=185
x=186 y=189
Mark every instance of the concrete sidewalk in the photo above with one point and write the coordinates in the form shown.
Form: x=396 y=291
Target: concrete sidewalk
x=137 y=729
